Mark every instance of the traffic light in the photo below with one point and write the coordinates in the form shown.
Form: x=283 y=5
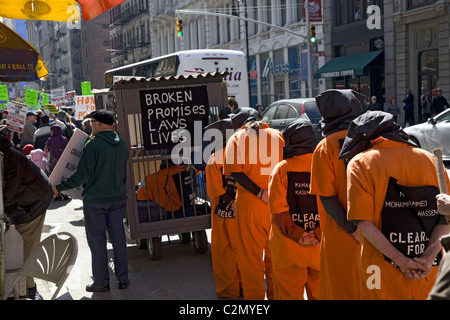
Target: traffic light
x=179 y=24
x=312 y=33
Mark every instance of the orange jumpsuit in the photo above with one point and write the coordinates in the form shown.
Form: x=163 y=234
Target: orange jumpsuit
x=248 y=153
x=294 y=266
x=223 y=230
x=158 y=182
x=339 y=266
x=368 y=176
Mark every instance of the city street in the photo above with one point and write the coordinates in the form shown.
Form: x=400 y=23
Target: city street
x=181 y=274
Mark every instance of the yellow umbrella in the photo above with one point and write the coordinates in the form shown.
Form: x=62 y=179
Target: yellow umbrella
x=54 y=10
x=19 y=61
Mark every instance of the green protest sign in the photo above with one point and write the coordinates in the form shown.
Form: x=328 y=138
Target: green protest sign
x=31 y=98
x=51 y=107
x=45 y=99
x=86 y=88
x=4 y=94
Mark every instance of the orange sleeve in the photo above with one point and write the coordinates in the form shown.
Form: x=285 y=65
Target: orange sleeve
x=231 y=163
x=360 y=194
x=323 y=178
x=278 y=189
x=214 y=183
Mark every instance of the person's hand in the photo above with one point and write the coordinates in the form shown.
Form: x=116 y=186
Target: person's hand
x=308 y=239
x=264 y=196
x=443 y=203
x=412 y=269
x=426 y=263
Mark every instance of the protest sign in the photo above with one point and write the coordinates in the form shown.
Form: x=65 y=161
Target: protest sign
x=68 y=163
x=45 y=98
x=31 y=98
x=17 y=116
x=4 y=94
x=166 y=110
x=84 y=105
x=86 y=88
x=58 y=97
x=70 y=99
x=51 y=108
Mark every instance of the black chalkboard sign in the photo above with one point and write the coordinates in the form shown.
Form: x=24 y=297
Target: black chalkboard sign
x=171 y=114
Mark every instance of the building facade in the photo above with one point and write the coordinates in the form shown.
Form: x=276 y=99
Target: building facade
x=413 y=41
x=277 y=46
x=72 y=54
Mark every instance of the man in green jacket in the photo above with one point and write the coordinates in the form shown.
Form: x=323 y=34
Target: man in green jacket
x=102 y=172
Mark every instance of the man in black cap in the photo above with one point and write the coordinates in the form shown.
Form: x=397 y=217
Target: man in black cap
x=102 y=169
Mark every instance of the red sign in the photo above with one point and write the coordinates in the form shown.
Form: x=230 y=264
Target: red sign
x=315 y=10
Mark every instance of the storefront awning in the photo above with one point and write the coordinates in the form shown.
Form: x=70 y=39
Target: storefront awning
x=347 y=65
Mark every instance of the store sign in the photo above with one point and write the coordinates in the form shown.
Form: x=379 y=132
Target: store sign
x=275 y=69
x=337 y=74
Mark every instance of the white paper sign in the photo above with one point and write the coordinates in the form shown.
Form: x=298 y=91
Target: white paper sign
x=58 y=97
x=16 y=116
x=85 y=104
x=68 y=163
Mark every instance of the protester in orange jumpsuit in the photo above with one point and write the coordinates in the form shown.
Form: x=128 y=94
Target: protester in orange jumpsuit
x=340 y=239
x=392 y=188
x=222 y=193
x=251 y=154
x=295 y=236
x=160 y=187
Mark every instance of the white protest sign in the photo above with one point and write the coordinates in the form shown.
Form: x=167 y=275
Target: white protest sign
x=84 y=105
x=58 y=97
x=68 y=163
x=16 y=116
x=70 y=99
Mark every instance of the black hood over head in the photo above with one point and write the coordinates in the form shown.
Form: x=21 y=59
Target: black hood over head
x=369 y=126
x=299 y=137
x=222 y=125
x=242 y=115
x=338 y=108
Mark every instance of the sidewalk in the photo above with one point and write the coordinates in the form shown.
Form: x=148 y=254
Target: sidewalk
x=181 y=274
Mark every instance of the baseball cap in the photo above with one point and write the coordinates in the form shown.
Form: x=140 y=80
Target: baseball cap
x=103 y=116
x=30 y=113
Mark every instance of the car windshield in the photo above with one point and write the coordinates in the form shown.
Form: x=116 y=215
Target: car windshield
x=444 y=118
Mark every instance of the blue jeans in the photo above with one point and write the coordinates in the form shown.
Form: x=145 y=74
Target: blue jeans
x=99 y=218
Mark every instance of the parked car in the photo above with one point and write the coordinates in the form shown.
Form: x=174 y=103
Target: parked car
x=282 y=112
x=433 y=134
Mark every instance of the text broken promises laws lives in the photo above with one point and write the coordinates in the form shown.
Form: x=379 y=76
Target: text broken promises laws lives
x=165 y=111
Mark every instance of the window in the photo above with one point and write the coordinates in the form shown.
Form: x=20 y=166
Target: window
x=283 y=12
x=412 y=4
x=283 y=112
x=268 y=115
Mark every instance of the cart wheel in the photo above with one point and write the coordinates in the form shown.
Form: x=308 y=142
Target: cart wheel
x=200 y=241
x=185 y=237
x=154 y=248
x=141 y=244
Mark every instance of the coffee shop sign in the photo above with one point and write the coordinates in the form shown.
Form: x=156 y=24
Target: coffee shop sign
x=275 y=69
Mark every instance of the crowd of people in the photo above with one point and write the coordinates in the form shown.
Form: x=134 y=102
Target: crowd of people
x=428 y=107
x=355 y=215
x=29 y=159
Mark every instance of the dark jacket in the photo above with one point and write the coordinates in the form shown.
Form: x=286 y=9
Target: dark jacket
x=27 y=191
x=102 y=169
